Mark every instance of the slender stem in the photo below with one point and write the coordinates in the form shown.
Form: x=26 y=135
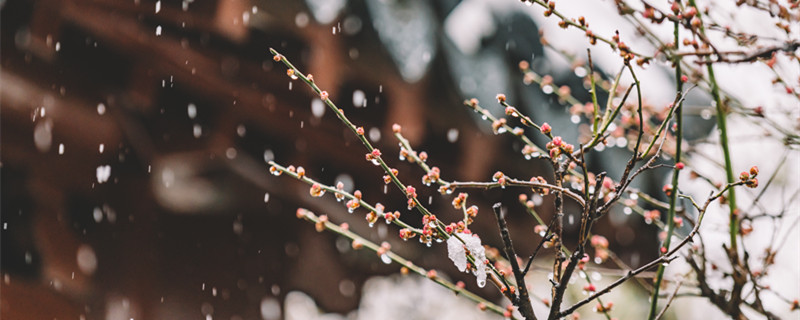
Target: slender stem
x=309 y=216
x=733 y=228
x=665 y=258
x=608 y=114
x=723 y=133
x=571 y=22
x=595 y=105
x=519 y=183
x=440 y=227
x=283 y=170
x=669 y=301
x=488 y=116
x=638 y=111
x=674 y=195
x=523 y=301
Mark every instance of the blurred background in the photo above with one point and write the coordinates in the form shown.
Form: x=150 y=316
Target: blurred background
x=135 y=136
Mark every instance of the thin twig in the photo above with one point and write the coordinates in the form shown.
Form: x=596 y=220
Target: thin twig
x=523 y=301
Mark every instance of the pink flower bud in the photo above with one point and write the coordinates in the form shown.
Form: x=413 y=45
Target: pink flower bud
x=316 y=190
x=411 y=192
x=676 y=7
x=431 y=274
x=545 y=128
x=690 y=12
x=497 y=175
x=695 y=22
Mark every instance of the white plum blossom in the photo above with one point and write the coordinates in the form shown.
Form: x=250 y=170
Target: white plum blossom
x=457 y=251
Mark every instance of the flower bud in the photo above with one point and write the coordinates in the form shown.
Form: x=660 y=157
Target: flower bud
x=695 y=22
x=511 y=111
x=497 y=175
x=545 y=128
x=431 y=274
x=676 y=7
x=316 y=190
x=667 y=189
x=690 y=12
x=411 y=192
